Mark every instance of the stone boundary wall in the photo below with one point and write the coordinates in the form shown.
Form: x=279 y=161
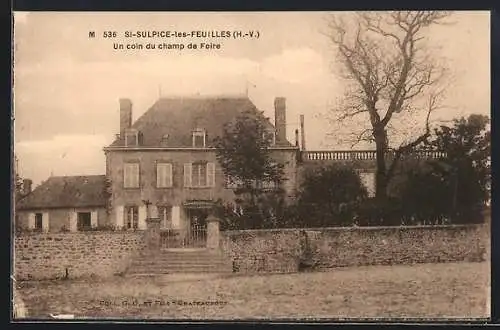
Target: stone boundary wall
x=40 y=256
x=282 y=250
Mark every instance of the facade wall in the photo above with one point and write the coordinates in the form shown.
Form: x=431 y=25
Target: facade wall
x=177 y=194
x=61 y=219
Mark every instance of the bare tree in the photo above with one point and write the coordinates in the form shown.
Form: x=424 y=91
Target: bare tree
x=390 y=72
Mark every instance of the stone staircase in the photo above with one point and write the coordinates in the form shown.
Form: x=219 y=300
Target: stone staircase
x=179 y=261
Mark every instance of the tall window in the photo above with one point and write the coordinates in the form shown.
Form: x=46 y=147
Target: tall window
x=131 y=217
x=163 y=175
x=199 y=138
x=131 y=175
x=38 y=221
x=200 y=174
x=165 y=215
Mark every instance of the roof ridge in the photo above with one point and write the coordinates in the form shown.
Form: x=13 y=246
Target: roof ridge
x=204 y=96
x=67 y=191
x=178 y=115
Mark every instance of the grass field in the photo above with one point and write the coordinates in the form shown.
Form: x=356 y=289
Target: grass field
x=458 y=290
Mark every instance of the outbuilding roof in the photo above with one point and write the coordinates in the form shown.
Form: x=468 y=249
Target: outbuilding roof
x=67 y=192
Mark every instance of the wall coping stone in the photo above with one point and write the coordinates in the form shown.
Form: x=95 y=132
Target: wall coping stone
x=353 y=228
x=82 y=233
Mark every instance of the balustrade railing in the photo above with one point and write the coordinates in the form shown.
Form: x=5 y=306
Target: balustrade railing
x=342 y=155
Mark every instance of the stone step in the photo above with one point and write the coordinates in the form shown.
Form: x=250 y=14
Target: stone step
x=198 y=254
x=178 y=265
x=186 y=257
x=167 y=270
x=185 y=262
x=180 y=261
x=192 y=260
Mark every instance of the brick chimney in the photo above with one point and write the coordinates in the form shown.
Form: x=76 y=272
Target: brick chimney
x=280 y=118
x=125 y=115
x=27 y=186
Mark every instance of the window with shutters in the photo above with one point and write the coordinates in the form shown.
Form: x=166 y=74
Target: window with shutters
x=199 y=175
x=131 y=217
x=163 y=175
x=165 y=215
x=131 y=175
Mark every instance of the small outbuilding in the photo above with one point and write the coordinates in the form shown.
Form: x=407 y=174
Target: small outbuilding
x=64 y=203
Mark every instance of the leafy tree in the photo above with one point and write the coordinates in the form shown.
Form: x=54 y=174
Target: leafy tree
x=426 y=197
x=329 y=195
x=390 y=74
x=244 y=154
x=467 y=167
x=440 y=191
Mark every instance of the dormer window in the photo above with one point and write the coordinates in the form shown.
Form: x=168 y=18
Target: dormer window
x=269 y=135
x=199 y=138
x=131 y=137
x=164 y=140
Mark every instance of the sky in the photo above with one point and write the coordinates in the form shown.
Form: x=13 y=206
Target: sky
x=67 y=85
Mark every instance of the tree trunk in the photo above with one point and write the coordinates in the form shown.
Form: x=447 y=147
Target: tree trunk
x=381 y=180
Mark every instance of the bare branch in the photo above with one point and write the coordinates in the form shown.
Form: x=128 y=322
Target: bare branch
x=351 y=114
x=433 y=104
x=361 y=137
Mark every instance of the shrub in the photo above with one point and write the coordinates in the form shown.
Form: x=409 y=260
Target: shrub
x=379 y=212
x=426 y=196
x=329 y=196
x=268 y=211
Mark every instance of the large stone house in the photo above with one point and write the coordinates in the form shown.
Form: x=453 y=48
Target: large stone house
x=166 y=163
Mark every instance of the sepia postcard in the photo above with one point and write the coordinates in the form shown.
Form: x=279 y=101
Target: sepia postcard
x=273 y=166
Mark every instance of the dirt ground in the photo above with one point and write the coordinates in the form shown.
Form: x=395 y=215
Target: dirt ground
x=453 y=290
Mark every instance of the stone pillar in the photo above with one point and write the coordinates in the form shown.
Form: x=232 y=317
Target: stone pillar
x=143 y=215
x=153 y=233
x=213 y=232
